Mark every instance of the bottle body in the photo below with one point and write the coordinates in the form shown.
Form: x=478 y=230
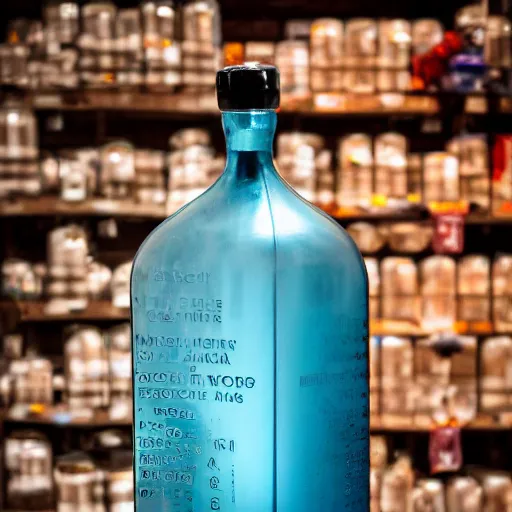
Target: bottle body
x=249 y=318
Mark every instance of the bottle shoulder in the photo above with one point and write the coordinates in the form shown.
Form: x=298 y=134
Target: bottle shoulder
x=262 y=214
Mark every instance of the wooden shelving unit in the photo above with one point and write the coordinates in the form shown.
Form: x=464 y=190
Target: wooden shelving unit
x=52 y=206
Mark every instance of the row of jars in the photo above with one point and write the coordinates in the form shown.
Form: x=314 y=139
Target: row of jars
x=97 y=375
x=382 y=167
x=69 y=278
x=435 y=379
x=395 y=487
x=99 y=45
x=439 y=291
x=180 y=45
x=366 y=167
x=116 y=170
x=35 y=481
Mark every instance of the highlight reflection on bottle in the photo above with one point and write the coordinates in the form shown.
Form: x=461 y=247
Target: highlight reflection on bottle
x=250 y=339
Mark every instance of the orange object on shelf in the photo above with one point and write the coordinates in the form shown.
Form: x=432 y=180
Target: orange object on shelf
x=234 y=54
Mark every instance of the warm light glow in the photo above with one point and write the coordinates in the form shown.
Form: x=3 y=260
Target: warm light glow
x=13 y=118
x=164 y=11
x=401 y=37
x=114 y=157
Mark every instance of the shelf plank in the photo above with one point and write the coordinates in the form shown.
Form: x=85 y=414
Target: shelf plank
x=477 y=425
x=53 y=206
x=101 y=420
x=204 y=104
x=30 y=311
x=103 y=310
x=100 y=207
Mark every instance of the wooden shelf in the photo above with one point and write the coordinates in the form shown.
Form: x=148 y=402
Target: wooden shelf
x=103 y=310
x=478 y=425
x=29 y=311
x=53 y=206
x=205 y=104
x=99 y=207
x=102 y=420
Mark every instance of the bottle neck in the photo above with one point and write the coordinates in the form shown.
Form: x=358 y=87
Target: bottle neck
x=249 y=139
x=250 y=130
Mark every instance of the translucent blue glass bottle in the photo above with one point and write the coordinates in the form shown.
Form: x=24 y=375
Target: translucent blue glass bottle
x=250 y=336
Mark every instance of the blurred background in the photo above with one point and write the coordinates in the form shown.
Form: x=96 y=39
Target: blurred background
x=398 y=125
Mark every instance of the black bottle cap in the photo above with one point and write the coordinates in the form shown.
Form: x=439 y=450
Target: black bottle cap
x=248 y=87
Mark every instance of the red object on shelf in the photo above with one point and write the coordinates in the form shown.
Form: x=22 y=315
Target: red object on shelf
x=501 y=156
x=445 y=451
x=449 y=234
x=429 y=68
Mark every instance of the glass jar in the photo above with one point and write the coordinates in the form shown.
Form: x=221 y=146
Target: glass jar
x=80 y=484
x=355 y=172
x=73 y=181
x=498 y=35
x=393 y=59
x=67 y=268
x=463 y=494
x=190 y=161
x=117 y=160
x=428 y=496
x=471 y=152
x=120 y=285
x=18 y=130
x=496 y=375
x=19 y=150
x=368 y=237
x=86 y=369
x=128 y=48
x=112 y=450
x=292 y=59
x=372 y=268
x=20 y=280
x=397 y=364
x=400 y=299
x=474 y=289
x=446 y=379
x=97 y=44
x=150 y=181
x=391 y=166
x=99 y=277
x=14 y=64
x=32 y=381
x=438 y=292
x=326 y=55
x=360 y=55
x=28 y=468
x=263 y=52
x=162 y=50
x=502 y=294
x=201 y=43
x=296 y=161
x=120 y=495
x=62 y=18
x=441 y=175
x=397 y=484
x=409 y=237
x=120 y=369
x=497 y=489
